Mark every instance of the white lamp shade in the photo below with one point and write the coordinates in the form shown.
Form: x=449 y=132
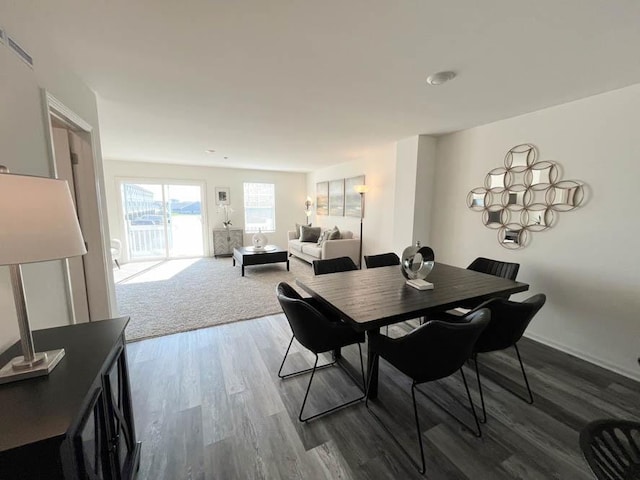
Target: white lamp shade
x=38 y=220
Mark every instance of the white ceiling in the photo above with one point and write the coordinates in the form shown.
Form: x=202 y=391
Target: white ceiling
x=297 y=85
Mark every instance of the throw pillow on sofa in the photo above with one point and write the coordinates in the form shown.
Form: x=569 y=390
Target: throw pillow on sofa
x=309 y=234
x=298 y=225
x=323 y=237
x=334 y=234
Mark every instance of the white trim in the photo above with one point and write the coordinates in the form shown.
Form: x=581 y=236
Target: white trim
x=632 y=374
x=54 y=107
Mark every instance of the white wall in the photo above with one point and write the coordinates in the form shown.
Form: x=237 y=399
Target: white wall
x=379 y=168
x=290 y=193
x=23 y=149
x=415 y=189
x=587 y=263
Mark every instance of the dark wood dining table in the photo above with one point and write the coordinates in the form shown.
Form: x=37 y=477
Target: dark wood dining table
x=373 y=298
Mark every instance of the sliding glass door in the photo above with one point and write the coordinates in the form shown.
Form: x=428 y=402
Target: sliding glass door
x=162 y=220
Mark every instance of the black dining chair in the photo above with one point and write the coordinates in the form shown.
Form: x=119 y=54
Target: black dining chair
x=431 y=352
x=333 y=265
x=381 y=260
x=509 y=320
x=611 y=447
x=492 y=267
x=319 y=334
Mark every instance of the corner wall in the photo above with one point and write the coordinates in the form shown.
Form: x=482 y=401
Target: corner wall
x=379 y=168
x=588 y=262
x=24 y=149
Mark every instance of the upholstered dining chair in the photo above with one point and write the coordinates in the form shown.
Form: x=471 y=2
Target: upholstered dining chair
x=333 y=265
x=431 y=352
x=611 y=447
x=381 y=260
x=492 y=267
x=509 y=320
x=319 y=334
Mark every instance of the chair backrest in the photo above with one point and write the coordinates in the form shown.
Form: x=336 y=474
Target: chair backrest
x=310 y=327
x=508 y=322
x=495 y=267
x=382 y=260
x=437 y=349
x=612 y=448
x=333 y=265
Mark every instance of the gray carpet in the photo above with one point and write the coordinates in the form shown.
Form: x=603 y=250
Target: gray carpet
x=180 y=295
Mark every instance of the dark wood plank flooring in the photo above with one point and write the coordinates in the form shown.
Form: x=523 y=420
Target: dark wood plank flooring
x=209 y=405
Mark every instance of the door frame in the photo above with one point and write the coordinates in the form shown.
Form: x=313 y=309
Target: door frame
x=99 y=281
x=161 y=181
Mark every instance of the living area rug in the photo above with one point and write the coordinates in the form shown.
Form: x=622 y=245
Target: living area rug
x=181 y=295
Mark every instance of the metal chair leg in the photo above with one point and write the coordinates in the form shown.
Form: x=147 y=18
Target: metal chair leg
x=526 y=381
x=300 y=372
x=473 y=409
x=484 y=411
x=332 y=409
x=418 y=431
x=422 y=468
x=524 y=375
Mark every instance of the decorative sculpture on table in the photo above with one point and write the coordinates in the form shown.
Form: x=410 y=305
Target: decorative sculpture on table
x=416 y=263
x=523 y=196
x=259 y=240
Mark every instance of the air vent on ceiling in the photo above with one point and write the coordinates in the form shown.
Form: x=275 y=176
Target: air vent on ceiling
x=20 y=51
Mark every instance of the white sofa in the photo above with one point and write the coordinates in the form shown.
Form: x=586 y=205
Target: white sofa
x=346 y=246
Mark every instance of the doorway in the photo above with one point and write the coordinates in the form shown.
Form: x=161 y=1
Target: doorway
x=162 y=220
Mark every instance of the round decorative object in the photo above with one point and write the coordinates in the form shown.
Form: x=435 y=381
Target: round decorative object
x=495 y=217
x=565 y=196
x=259 y=240
x=512 y=236
x=498 y=178
x=417 y=262
x=520 y=156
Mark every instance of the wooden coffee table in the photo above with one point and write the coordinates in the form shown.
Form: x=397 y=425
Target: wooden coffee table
x=245 y=256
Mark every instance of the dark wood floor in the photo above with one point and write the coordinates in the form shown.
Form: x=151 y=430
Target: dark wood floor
x=209 y=405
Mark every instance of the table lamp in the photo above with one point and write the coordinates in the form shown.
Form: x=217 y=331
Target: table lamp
x=38 y=222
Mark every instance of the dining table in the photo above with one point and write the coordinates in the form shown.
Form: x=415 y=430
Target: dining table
x=377 y=297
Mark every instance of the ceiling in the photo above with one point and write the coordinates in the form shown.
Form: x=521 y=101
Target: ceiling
x=298 y=85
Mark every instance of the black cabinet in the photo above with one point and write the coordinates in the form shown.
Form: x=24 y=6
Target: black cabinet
x=77 y=423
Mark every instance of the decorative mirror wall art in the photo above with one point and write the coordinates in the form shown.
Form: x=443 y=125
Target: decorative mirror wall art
x=524 y=196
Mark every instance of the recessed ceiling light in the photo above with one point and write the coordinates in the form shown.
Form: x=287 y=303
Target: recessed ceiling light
x=440 y=78
x=209 y=150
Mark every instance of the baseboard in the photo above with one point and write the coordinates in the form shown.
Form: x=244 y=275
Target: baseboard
x=632 y=374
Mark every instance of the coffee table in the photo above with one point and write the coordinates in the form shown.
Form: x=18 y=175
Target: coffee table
x=271 y=254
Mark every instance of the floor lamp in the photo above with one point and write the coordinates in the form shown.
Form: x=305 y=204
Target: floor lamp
x=39 y=223
x=361 y=189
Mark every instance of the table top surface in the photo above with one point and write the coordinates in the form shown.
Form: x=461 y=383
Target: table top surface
x=273 y=249
x=376 y=297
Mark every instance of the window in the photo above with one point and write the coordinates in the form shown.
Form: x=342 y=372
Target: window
x=259 y=207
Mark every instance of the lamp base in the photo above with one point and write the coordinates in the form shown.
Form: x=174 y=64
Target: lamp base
x=18 y=369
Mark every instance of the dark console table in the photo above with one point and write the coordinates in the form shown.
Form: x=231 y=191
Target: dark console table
x=77 y=423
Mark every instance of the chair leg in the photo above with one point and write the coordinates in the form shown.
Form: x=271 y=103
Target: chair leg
x=332 y=409
x=473 y=409
x=422 y=468
x=484 y=411
x=418 y=431
x=526 y=381
x=300 y=372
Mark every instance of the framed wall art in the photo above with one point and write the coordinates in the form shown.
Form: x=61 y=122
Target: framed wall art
x=222 y=196
x=352 y=205
x=336 y=198
x=322 y=198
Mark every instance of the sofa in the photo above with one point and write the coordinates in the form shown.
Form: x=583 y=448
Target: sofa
x=346 y=246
